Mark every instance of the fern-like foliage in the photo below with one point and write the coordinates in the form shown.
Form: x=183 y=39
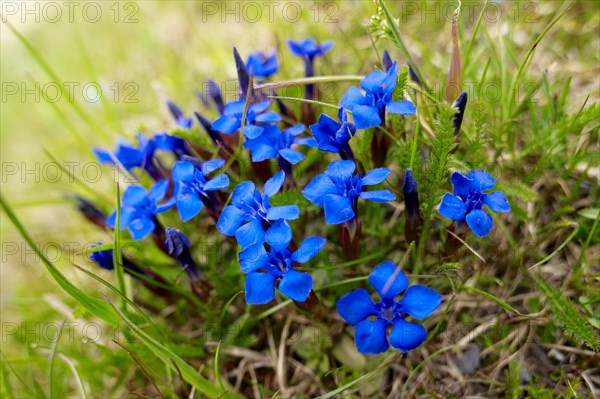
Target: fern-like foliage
x=567 y=315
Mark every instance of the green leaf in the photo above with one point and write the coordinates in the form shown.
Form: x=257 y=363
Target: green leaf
x=95 y=306
x=589 y=213
x=567 y=315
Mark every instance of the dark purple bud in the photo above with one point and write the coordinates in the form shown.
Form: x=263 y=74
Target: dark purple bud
x=105 y=260
x=413 y=75
x=91 y=212
x=175 y=110
x=411 y=195
x=242 y=73
x=178 y=245
x=460 y=104
x=386 y=61
x=207 y=125
x=214 y=91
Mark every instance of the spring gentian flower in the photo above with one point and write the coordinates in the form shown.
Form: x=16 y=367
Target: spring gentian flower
x=182 y=121
x=469 y=198
x=168 y=142
x=338 y=190
x=231 y=120
x=370 y=335
x=251 y=217
x=276 y=143
x=308 y=49
x=277 y=264
x=192 y=187
x=140 y=207
x=333 y=136
x=368 y=110
x=130 y=156
x=262 y=66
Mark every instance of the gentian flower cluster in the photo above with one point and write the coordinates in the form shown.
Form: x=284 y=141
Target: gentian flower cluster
x=468 y=199
x=368 y=109
x=371 y=320
x=261 y=65
x=338 y=190
x=130 y=157
x=231 y=120
x=251 y=217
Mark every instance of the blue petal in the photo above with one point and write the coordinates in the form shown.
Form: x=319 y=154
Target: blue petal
x=260 y=288
x=391 y=79
x=296 y=48
x=140 y=228
x=133 y=195
x=401 y=107
x=406 y=335
x=480 y=222
x=373 y=80
x=309 y=248
x=260 y=150
x=285 y=212
x=420 y=301
x=159 y=190
x=375 y=176
x=370 y=337
x=378 y=195
x=295 y=130
x=234 y=108
x=243 y=194
x=296 y=285
x=388 y=280
x=482 y=180
x=326 y=127
x=230 y=220
x=291 y=155
x=259 y=106
x=226 y=124
x=452 y=208
x=212 y=165
x=279 y=235
x=165 y=206
x=318 y=188
x=353 y=98
x=273 y=185
x=326 y=46
x=308 y=141
x=253 y=258
x=356 y=306
x=268 y=117
x=188 y=205
x=103 y=156
x=462 y=184
x=340 y=170
x=338 y=209
x=183 y=171
x=249 y=234
x=253 y=131
x=218 y=183
x=366 y=116
x=497 y=202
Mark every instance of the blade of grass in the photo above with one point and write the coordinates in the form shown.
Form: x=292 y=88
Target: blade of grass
x=117 y=255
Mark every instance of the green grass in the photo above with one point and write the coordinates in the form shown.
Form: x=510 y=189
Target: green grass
x=526 y=295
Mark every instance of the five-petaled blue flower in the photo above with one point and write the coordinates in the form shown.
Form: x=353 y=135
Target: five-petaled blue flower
x=371 y=320
x=140 y=207
x=469 y=198
x=193 y=189
x=251 y=217
x=333 y=136
x=231 y=120
x=368 y=110
x=277 y=264
x=130 y=156
x=309 y=48
x=262 y=66
x=274 y=142
x=338 y=189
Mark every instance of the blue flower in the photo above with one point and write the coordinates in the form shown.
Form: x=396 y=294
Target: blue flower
x=469 y=198
x=251 y=217
x=167 y=142
x=182 y=121
x=105 y=260
x=368 y=110
x=193 y=189
x=333 y=136
x=274 y=142
x=338 y=190
x=411 y=195
x=309 y=48
x=130 y=156
x=231 y=120
x=277 y=264
x=262 y=66
x=371 y=320
x=140 y=207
